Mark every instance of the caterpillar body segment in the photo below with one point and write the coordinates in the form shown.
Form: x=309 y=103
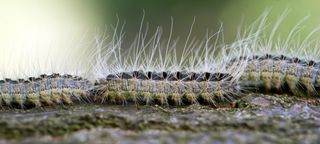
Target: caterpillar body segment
x=44 y=90
x=167 y=88
x=282 y=74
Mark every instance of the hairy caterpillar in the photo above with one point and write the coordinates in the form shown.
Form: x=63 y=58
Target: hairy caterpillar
x=44 y=90
x=165 y=88
x=153 y=70
x=287 y=65
x=282 y=74
x=253 y=61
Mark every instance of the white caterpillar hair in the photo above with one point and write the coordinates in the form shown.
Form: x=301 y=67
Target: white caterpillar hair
x=293 y=45
x=256 y=59
x=145 y=71
x=153 y=52
x=153 y=69
x=157 y=53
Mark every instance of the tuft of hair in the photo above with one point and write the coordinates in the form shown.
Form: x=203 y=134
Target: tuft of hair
x=155 y=70
x=278 y=64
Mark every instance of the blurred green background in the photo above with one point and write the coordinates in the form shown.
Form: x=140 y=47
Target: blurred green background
x=209 y=14
x=33 y=31
x=87 y=15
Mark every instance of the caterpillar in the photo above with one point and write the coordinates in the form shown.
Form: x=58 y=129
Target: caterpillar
x=254 y=62
x=285 y=65
x=153 y=70
x=166 y=88
x=281 y=74
x=44 y=90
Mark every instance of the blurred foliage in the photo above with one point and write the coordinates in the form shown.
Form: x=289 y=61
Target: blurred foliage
x=209 y=14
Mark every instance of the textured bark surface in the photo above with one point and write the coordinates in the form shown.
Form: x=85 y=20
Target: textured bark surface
x=254 y=118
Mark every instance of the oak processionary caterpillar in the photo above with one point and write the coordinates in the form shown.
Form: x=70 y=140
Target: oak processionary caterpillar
x=281 y=74
x=167 y=87
x=206 y=72
x=44 y=90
